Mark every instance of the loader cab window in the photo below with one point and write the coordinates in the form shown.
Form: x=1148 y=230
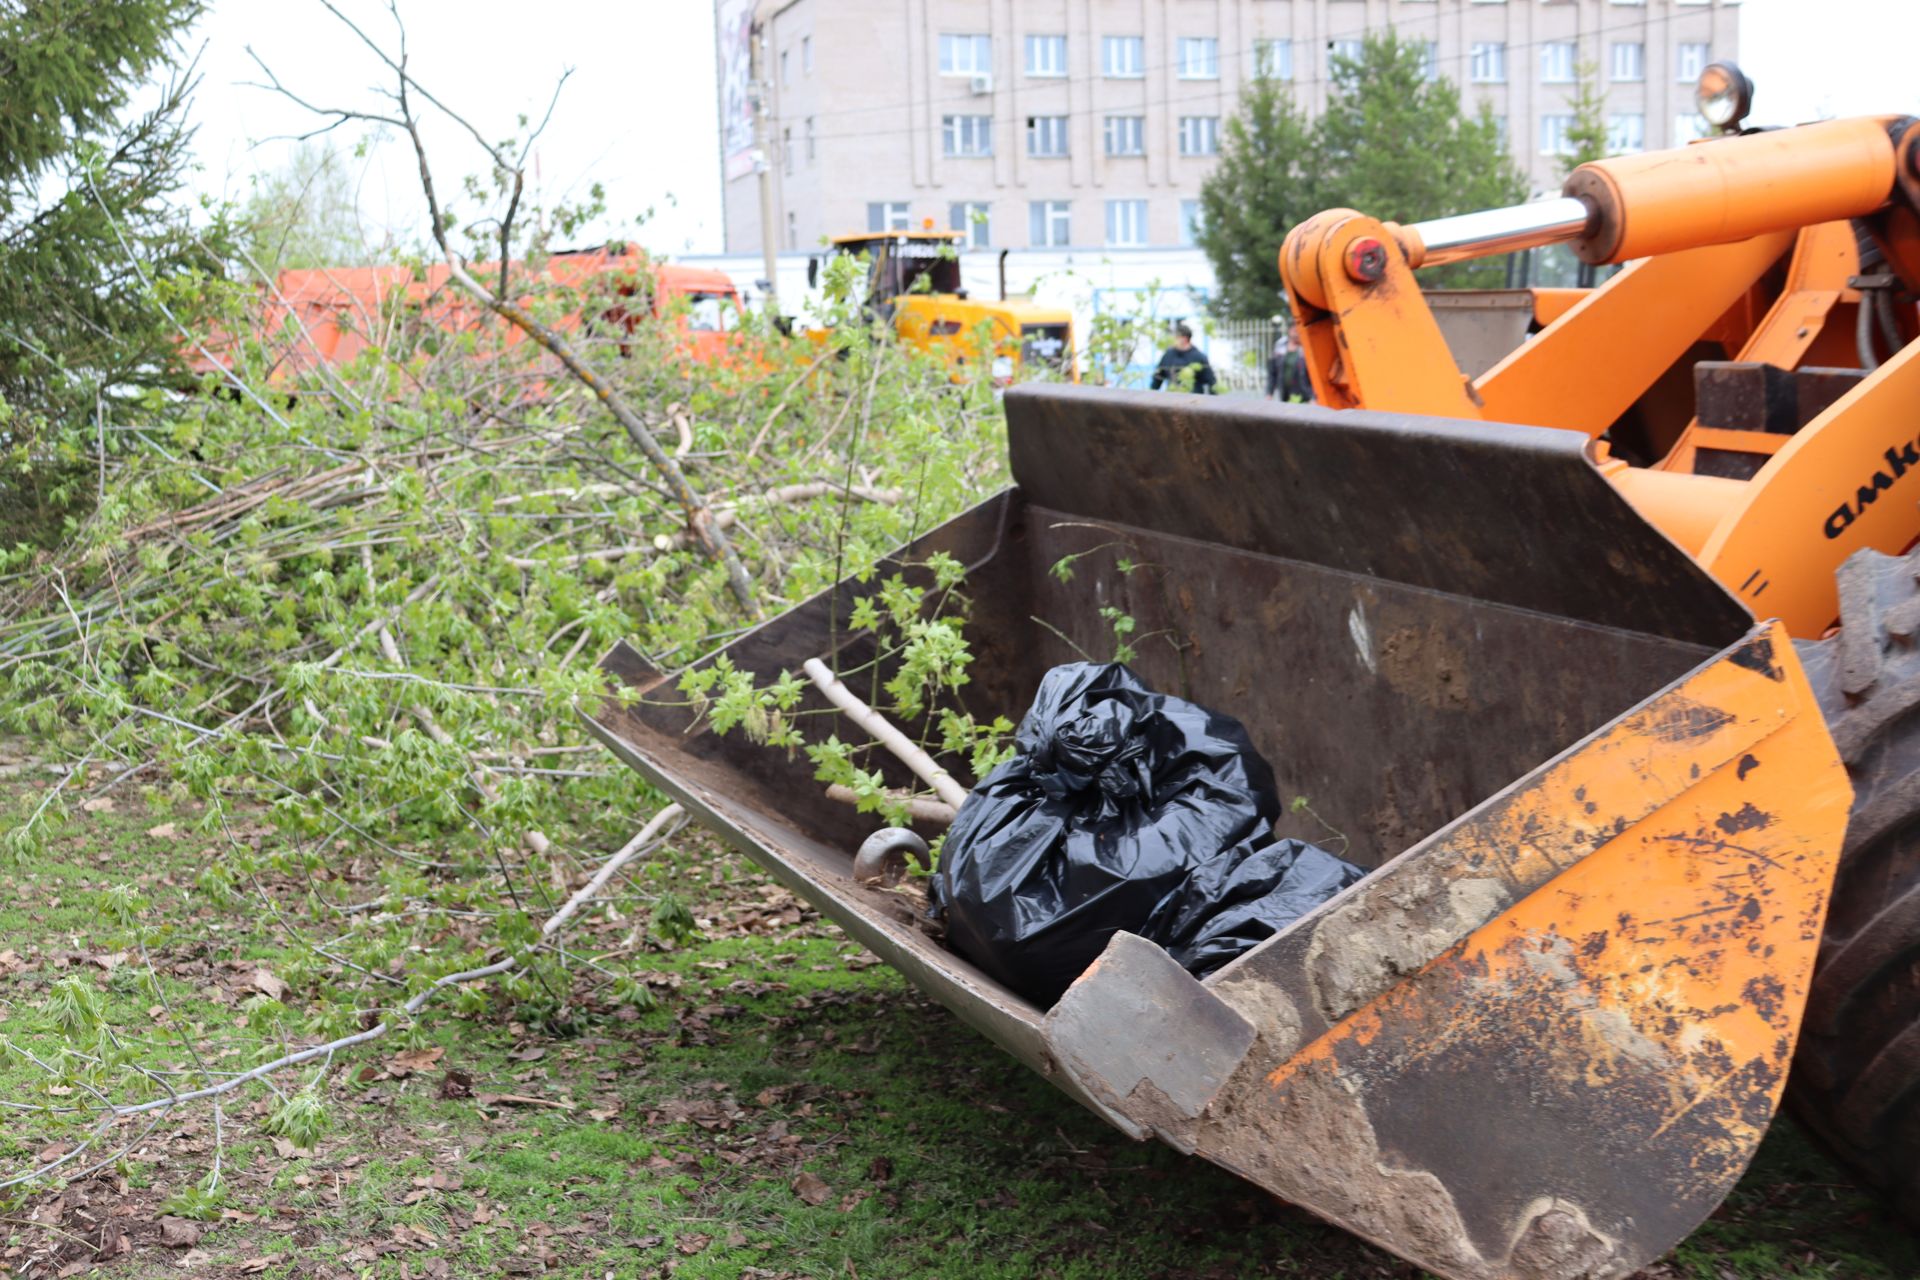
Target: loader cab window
x=901 y=266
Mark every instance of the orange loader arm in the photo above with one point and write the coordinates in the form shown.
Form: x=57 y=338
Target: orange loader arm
x=1778 y=267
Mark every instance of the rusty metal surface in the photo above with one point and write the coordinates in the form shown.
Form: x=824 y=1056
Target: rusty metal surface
x=1390 y=709
x=1143 y=1033
x=1356 y=948
x=1751 y=395
x=1474 y=724
x=1400 y=497
x=1623 y=982
x=1546 y=1041
x=1482 y=326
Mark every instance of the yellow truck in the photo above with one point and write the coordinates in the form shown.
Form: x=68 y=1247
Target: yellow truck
x=913 y=286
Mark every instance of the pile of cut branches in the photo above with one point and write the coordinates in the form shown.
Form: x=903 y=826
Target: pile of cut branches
x=363 y=603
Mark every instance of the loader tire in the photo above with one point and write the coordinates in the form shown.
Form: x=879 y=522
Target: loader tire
x=1856 y=1076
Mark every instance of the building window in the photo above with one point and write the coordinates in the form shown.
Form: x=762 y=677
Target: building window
x=967 y=135
x=1123 y=57
x=806 y=55
x=1553 y=135
x=1349 y=50
x=1626 y=131
x=786 y=148
x=971 y=218
x=1046 y=55
x=1556 y=62
x=1273 y=59
x=1689 y=127
x=1189 y=221
x=1126 y=223
x=966 y=55
x=1126 y=135
x=1429 y=59
x=1047 y=136
x=889 y=215
x=785 y=77
x=1199 y=135
x=1489 y=62
x=810 y=140
x=1199 y=58
x=1048 y=224
x=1501 y=132
x=793 y=231
x=1690 y=59
x=1629 y=62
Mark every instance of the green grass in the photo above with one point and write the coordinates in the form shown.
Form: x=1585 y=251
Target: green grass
x=774 y=1055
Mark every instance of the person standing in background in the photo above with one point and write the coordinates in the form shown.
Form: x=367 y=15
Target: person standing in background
x=1287 y=378
x=1173 y=370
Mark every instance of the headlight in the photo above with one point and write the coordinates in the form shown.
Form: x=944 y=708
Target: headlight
x=1003 y=366
x=1724 y=95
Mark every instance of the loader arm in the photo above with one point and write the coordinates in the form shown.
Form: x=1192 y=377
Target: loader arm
x=1751 y=243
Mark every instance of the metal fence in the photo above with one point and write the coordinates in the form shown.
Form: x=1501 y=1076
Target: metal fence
x=1238 y=351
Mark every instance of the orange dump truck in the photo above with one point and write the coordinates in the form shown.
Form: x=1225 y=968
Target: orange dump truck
x=335 y=311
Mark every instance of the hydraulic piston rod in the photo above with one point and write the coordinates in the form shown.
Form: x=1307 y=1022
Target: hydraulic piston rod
x=1439 y=241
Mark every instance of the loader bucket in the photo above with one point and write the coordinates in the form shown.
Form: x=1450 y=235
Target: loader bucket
x=1544 y=1035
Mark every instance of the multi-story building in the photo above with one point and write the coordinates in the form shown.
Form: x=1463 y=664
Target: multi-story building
x=1052 y=123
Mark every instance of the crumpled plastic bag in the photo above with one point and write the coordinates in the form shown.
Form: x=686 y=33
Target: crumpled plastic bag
x=1122 y=809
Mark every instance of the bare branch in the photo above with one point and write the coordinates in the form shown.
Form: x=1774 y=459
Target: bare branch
x=886 y=734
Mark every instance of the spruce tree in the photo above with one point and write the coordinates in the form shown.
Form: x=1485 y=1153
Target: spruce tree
x=89 y=220
x=1394 y=142
x=1588 y=137
x=1263 y=185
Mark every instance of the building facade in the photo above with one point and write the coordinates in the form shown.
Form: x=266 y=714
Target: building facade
x=1091 y=123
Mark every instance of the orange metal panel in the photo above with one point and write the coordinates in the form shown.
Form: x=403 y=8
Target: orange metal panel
x=1586 y=368
x=1685 y=507
x=1734 y=188
x=1760 y=442
x=1824 y=257
x=1849 y=479
x=1640 y=1005
x=1373 y=343
x=1550 y=304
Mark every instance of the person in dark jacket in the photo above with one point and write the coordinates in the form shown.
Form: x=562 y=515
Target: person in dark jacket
x=1287 y=372
x=1172 y=370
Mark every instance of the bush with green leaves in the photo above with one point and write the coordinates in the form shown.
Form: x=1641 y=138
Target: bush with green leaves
x=362 y=606
x=919 y=663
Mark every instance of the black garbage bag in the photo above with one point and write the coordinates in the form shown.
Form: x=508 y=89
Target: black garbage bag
x=1123 y=809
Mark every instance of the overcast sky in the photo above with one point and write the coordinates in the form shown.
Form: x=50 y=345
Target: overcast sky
x=638 y=113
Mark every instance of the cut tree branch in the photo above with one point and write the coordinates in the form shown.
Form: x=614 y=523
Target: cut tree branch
x=883 y=731
x=699 y=515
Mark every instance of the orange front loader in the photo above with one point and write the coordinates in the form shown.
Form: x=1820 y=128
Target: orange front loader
x=1751 y=384
x=1542 y=1038
x=1518 y=668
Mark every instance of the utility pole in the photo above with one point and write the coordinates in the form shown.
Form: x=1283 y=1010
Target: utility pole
x=763 y=165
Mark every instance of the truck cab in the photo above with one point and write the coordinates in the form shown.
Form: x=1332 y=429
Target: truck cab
x=712 y=308
x=914 y=286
